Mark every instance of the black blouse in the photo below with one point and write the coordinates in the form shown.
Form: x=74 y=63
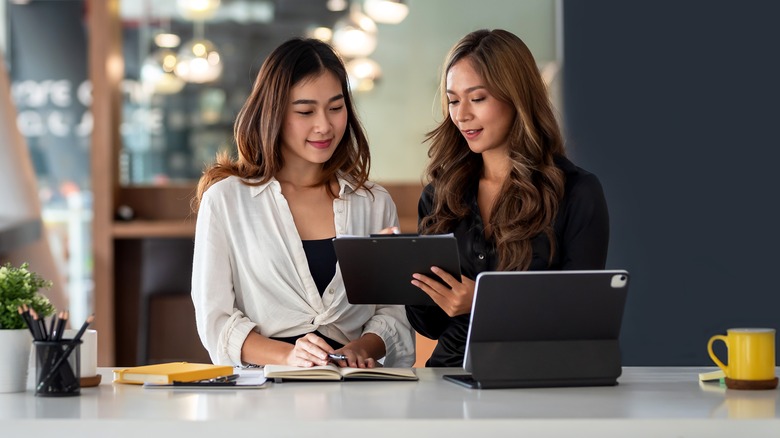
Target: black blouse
x=582 y=237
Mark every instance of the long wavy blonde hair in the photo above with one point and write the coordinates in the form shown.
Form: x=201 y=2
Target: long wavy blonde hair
x=528 y=201
x=257 y=130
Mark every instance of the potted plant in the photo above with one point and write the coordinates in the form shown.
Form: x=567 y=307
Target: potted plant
x=18 y=286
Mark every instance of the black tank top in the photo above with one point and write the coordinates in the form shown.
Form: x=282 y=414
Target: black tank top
x=321 y=258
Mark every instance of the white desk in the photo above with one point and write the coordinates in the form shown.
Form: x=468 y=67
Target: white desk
x=652 y=402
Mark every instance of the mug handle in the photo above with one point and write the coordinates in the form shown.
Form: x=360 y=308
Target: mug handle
x=712 y=353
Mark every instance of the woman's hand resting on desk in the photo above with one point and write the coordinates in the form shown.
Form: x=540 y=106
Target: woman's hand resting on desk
x=454 y=298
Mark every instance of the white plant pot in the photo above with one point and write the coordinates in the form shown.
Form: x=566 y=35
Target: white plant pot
x=15 y=346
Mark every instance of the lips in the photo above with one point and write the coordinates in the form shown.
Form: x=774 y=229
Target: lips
x=320 y=144
x=471 y=134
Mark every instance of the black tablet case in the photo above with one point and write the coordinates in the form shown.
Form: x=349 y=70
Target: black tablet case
x=378 y=269
x=545 y=329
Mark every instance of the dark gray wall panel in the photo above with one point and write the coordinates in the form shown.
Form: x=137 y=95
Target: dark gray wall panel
x=674 y=105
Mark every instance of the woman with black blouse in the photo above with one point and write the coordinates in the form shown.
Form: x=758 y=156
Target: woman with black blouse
x=501 y=182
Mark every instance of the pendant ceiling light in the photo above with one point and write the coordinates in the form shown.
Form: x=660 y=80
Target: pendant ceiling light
x=355 y=35
x=321 y=33
x=197 y=9
x=386 y=11
x=157 y=69
x=363 y=74
x=198 y=60
x=157 y=72
x=167 y=39
x=336 y=5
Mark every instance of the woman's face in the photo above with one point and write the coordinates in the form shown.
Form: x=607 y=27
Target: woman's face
x=314 y=121
x=483 y=120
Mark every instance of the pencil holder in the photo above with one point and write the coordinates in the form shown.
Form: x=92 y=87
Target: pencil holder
x=57 y=368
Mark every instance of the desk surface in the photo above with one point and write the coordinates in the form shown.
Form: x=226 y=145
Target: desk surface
x=647 y=402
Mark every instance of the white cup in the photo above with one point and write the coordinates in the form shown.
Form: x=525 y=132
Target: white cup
x=88 y=351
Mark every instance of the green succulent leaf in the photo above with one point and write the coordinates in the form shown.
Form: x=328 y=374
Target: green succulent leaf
x=18 y=286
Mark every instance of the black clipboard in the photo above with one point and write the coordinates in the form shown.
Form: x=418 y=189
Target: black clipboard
x=378 y=269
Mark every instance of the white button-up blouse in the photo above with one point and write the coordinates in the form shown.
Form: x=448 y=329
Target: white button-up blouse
x=250 y=272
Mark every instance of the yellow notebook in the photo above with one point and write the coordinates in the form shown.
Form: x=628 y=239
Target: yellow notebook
x=170 y=372
x=332 y=372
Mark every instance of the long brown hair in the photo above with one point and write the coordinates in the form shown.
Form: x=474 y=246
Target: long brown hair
x=257 y=130
x=528 y=201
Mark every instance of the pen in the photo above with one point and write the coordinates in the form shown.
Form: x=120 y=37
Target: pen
x=216 y=381
x=205 y=383
x=336 y=356
x=222 y=379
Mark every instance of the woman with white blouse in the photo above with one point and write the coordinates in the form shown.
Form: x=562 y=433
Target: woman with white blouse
x=265 y=283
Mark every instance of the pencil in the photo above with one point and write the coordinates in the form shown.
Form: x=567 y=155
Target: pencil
x=61 y=325
x=41 y=322
x=52 y=326
x=26 y=318
x=83 y=328
x=36 y=326
x=71 y=346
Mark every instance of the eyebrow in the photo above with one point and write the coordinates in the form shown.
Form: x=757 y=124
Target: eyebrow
x=312 y=102
x=468 y=90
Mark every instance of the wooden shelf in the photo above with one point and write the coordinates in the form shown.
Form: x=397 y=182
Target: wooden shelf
x=139 y=229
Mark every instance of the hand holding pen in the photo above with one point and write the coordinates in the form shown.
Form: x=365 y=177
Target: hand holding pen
x=342 y=360
x=309 y=350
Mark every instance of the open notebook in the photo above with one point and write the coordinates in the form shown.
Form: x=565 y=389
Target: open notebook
x=335 y=373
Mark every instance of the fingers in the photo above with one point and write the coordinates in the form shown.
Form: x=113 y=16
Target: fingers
x=444 y=275
x=355 y=360
x=448 y=279
x=455 y=299
x=320 y=343
x=390 y=230
x=311 y=350
x=430 y=286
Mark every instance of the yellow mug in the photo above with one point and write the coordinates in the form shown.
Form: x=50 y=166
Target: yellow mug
x=751 y=353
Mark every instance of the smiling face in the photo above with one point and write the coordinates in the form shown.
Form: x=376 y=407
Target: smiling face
x=315 y=120
x=482 y=119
